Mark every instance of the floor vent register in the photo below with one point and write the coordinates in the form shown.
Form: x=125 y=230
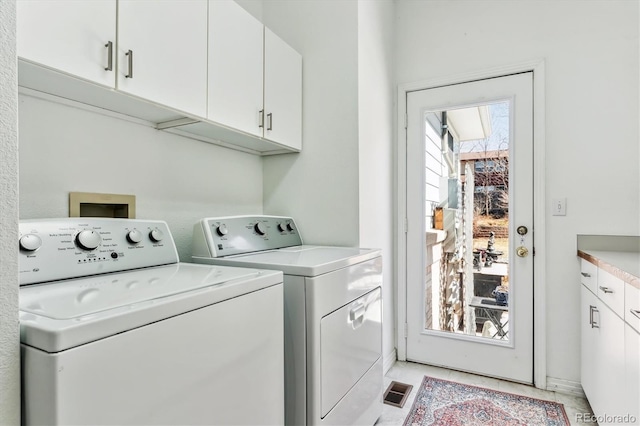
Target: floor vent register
x=397 y=393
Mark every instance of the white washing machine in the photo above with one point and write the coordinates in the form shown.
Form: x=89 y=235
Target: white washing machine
x=333 y=314
x=114 y=330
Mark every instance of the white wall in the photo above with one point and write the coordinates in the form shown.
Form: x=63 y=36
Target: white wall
x=376 y=94
x=179 y=180
x=254 y=7
x=339 y=188
x=319 y=186
x=9 y=336
x=590 y=50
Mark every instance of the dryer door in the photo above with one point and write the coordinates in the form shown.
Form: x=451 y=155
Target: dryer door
x=351 y=342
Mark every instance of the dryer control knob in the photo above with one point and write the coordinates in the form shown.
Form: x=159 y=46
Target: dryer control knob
x=156 y=235
x=88 y=239
x=290 y=226
x=134 y=236
x=282 y=227
x=222 y=230
x=260 y=228
x=30 y=242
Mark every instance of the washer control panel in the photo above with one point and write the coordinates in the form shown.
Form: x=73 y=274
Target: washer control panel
x=224 y=236
x=55 y=249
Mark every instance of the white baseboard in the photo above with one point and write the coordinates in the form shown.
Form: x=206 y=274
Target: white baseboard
x=565 y=386
x=388 y=361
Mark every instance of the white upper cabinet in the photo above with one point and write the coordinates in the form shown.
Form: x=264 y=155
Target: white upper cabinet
x=255 y=78
x=282 y=92
x=204 y=69
x=235 y=67
x=75 y=37
x=162 y=52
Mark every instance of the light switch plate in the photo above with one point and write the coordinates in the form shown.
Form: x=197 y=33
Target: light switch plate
x=559 y=206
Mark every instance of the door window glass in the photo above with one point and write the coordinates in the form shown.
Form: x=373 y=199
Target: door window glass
x=467 y=197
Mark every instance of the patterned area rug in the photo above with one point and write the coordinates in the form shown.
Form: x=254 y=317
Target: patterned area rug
x=441 y=402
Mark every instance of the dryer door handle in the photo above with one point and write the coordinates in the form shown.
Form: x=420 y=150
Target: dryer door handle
x=356 y=314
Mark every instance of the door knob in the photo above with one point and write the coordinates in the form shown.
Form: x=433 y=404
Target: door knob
x=522 y=251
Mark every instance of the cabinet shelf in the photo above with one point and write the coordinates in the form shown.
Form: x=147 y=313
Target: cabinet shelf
x=56 y=85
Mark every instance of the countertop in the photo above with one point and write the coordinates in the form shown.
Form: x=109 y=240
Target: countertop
x=624 y=264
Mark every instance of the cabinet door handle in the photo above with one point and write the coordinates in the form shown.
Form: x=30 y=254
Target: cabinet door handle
x=356 y=315
x=130 y=55
x=592 y=321
x=357 y=312
x=635 y=313
x=605 y=289
x=585 y=274
x=270 y=118
x=109 y=47
x=261 y=118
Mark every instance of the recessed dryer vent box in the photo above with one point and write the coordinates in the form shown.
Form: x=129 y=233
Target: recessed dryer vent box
x=89 y=204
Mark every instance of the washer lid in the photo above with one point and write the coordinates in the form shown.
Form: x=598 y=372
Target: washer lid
x=61 y=314
x=304 y=260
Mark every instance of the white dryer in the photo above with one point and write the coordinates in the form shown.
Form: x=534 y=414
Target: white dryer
x=114 y=330
x=333 y=314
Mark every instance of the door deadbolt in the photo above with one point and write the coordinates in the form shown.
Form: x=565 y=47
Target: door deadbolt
x=522 y=230
x=522 y=251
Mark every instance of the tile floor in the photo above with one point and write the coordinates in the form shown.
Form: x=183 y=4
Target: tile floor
x=412 y=374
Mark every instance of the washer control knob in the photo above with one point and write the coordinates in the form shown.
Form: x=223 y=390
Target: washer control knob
x=260 y=228
x=290 y=226
x=88 y=239
x=134 y=236
x=222 y=230
x=30 y=242
x=282 y=227
x=156 y=235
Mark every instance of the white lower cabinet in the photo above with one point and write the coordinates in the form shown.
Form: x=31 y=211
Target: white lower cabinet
x=610 y=352
x=603 y=360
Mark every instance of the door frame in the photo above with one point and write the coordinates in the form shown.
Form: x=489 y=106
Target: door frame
x=539 y=290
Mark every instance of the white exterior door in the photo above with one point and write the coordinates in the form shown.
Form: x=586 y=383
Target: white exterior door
x=501 y=343
x=162 y=52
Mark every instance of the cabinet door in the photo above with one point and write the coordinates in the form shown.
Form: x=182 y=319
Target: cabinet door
x=632 y=306
x=282 y=92
x=162 y=52
x=632 y=361
x=235 y=67
x=610 y=363
x=69 y=36
x=588 y=335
